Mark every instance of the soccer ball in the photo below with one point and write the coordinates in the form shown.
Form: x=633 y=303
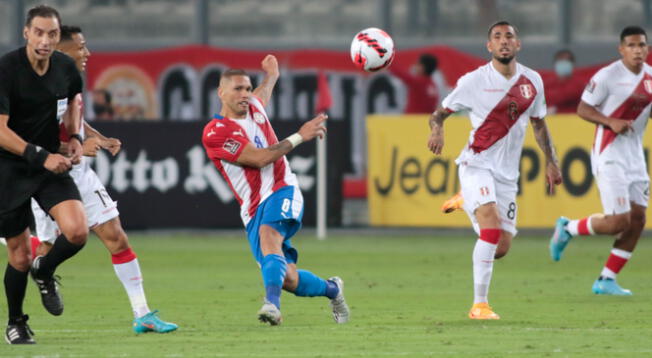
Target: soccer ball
x=372 y=49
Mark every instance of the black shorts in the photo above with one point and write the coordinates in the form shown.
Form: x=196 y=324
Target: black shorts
x=19 y=183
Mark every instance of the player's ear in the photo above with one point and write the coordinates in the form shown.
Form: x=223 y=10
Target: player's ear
x=25 y=30
x=488 y=46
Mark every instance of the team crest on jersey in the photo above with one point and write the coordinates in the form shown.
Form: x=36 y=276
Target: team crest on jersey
x=259 y=118
x=648 y=86
x=512 y=110
x=526 y=91
x=231 y=146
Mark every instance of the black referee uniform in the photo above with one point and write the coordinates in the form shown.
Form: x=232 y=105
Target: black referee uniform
x=34 y=105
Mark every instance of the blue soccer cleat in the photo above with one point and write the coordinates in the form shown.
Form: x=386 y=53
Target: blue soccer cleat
x=608 y=286
x=559 y=239
x=152 y=323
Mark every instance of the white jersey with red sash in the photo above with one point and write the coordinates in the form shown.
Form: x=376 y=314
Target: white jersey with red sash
x=499 y=109
x=619 y=93
x=225 y=138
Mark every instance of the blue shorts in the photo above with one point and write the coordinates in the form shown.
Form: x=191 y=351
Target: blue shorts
x=283 y=210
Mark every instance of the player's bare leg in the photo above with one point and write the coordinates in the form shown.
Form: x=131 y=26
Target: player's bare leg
x=484 y=253
x=127 y=268
x=15 y=281
x=71 y=219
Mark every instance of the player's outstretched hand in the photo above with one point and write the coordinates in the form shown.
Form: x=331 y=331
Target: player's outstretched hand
x=553 y=176
x=620 y=126
x=57 y=163
x=91 y=146
x=113 y=145
x=314 y=128
x=436 y=140
x=75 y=151
x=270 y=65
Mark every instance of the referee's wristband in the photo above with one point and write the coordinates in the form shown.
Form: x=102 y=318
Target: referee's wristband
x=78 y=137
x=295 y=139
x=35 y=155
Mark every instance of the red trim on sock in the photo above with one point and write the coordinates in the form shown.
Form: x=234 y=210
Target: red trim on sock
x=491 y=236
x=34 y=242
x=123 y=257
x=615 y=263
x=583 y=227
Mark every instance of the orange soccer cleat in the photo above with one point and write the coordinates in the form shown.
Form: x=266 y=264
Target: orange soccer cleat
x=482 y=310
x=453 y=203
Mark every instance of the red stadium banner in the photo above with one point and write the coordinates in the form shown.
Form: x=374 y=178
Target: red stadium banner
x=180 y=82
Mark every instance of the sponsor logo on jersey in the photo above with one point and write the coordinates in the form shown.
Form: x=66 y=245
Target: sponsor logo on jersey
x=212 y=132
x=62 y=106
x=231 y=146
x=259 y=118
x=513 y=110
x=526 y=91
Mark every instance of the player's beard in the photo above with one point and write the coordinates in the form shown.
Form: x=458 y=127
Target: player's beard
x=504 y=60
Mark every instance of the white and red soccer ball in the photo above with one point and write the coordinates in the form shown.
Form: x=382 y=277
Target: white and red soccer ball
x=372 y=49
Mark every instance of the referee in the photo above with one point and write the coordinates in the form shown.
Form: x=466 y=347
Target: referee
x=38 y=88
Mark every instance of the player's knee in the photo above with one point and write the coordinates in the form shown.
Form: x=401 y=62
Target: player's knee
x=77 y=234
x=291 y=281
x=637 y=220
x=620 y=223
x=501 y=252
x=20 y=259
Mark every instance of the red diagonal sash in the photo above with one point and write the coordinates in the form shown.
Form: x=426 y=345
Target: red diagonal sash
x=630 y=109
x=504 y=115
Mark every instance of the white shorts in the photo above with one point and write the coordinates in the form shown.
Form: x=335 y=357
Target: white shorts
x=98 y=205
x=617 y=191
x=479 y=187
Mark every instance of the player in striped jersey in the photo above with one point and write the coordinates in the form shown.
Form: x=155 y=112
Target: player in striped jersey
x=501 y=97
x=617 y=100
x=243 y=146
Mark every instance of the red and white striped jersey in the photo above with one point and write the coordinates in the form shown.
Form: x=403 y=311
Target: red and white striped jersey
x=617 y=92
x=499 y=109
x=225 y=138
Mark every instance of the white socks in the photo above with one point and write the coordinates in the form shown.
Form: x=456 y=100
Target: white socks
x=483 y=264
x=132 y=280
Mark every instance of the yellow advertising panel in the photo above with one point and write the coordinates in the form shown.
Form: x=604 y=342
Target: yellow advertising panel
x=407 y=183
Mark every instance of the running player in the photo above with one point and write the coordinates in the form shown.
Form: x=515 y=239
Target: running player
x=617 y=100
x=501 y=97
x=101 y=210
x=37 y=86
x=243 y=146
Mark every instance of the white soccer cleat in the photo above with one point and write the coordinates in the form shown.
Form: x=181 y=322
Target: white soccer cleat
x=269 y=313
x=338 y=304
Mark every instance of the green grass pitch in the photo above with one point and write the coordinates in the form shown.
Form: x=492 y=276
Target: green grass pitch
x=409 y=297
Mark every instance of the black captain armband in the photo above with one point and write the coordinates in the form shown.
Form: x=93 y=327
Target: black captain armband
x=35 y=155
x=78 y=137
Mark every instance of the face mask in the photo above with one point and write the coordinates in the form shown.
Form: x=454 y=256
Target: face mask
x=563 y=68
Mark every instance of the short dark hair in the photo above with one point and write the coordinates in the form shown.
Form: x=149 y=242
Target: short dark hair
x=68 y=30
x=565 y=51
x=632 y=30
x=501 y=23
x=429 y=63
x=41 y=11
x=234 y=72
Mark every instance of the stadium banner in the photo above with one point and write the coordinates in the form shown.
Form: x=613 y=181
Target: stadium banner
x=407 y=184
x=162 y=178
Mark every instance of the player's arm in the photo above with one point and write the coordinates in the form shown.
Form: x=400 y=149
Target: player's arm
x=72 y=122
x=436 y=122
x=261 y=157
x=591 y=114
x=113 y=145
x=264 y=91
x=33 y=154
x=544 y=140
